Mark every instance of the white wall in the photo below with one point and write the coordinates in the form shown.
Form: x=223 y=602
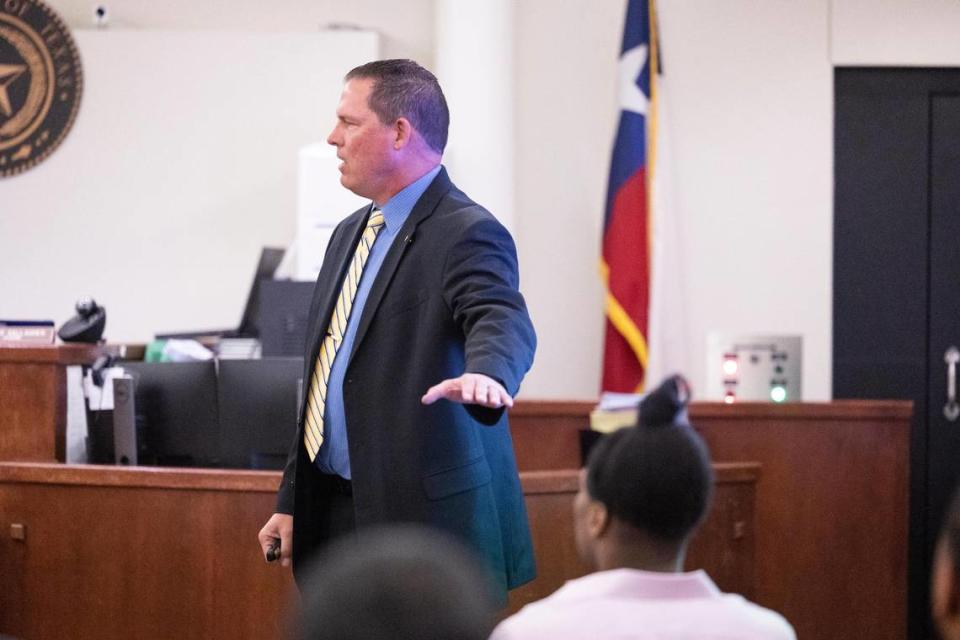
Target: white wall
x=405 y=28
x=182 y=163
x=474 y=64
x=750 y=88
x=751 y=91
x=566 y=107
x=895 y=33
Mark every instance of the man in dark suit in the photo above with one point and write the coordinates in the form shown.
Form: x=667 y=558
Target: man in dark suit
x=420 y=340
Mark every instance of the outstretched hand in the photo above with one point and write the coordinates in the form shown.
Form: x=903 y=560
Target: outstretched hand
x=470 y=388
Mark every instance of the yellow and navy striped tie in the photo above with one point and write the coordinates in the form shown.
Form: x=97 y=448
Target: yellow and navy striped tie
x=313 y=429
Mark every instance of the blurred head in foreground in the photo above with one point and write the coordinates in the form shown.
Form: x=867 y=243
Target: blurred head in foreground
x=398 y=582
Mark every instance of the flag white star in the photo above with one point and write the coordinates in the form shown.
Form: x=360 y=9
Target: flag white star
x=629 y=68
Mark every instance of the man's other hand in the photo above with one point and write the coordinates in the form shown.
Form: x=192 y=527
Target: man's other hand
x=279 y=528
x=470 y=388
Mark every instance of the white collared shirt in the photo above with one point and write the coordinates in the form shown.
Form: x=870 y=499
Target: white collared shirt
x=629 y=603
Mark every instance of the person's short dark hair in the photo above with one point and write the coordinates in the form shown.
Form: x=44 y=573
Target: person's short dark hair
x=402 y=88
x=406 y=581
x=656 y=475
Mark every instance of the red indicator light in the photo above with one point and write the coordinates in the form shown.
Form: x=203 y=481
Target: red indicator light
x=731 y=365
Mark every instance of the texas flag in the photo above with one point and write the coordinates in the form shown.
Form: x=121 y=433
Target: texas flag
x=627 y=265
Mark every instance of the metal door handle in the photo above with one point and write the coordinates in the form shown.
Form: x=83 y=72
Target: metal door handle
x=951 y=410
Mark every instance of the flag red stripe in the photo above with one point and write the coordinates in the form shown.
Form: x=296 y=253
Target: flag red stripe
x=626 y=251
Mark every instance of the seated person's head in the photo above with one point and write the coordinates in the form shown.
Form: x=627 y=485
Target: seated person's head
x=645 y=488
x=945 y=588
x=397 y=582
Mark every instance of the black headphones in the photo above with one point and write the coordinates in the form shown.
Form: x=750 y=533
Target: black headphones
x=87 y=326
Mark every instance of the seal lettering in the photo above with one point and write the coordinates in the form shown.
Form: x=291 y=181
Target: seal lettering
x=18 y=8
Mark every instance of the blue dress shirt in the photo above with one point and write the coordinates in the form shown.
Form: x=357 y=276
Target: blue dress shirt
x=333 y=457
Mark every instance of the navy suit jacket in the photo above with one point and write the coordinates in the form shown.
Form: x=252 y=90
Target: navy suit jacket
x=445 y=302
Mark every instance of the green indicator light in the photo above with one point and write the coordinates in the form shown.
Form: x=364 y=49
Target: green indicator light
x=778 y=393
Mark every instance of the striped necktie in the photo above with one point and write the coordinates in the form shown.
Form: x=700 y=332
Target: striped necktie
x=313 y=429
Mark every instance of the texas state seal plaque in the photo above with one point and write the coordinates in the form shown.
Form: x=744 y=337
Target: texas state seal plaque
x=40 y=84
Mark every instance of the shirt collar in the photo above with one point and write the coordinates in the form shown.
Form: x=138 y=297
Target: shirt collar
x=398 y=208
x=641 y=584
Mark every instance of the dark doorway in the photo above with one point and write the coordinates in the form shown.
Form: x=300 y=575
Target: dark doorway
x=896 y=296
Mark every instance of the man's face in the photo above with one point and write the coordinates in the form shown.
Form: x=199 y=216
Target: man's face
x=364 y=144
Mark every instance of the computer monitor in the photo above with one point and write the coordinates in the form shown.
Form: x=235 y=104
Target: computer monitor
x=258 y=411
x=270 y=259
x=176 y=411
x=284 y=309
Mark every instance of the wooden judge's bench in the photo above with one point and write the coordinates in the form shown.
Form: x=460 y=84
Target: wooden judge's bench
x=809 y=518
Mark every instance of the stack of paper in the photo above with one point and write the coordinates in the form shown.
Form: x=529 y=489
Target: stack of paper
x=239 y=349
x=615 y=411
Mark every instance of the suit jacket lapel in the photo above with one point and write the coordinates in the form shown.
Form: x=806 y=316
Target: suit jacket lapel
x=421 y=211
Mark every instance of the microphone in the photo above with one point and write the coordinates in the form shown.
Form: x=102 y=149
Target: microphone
x=408 y=240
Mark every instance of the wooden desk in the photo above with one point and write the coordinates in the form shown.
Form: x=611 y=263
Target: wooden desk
x=161 y=553
x=831 y=510
x=546 y=434
x=33 y=399
x=123 y=553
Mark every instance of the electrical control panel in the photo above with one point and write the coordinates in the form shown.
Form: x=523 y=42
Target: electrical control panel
x=754 y=368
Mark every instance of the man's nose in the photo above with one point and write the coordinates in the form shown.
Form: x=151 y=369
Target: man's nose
x=333 y=138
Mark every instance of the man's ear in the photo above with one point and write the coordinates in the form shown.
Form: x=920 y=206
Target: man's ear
x=403 y=133
x=598 y=519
